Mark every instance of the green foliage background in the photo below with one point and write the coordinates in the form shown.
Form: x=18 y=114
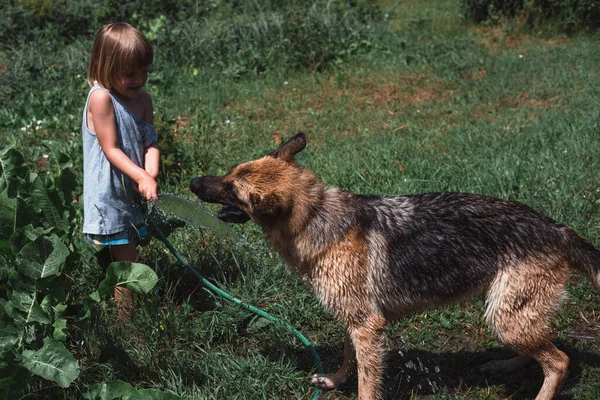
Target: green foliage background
x=565 y=15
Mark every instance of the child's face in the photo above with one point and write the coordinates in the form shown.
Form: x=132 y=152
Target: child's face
x=131 y=82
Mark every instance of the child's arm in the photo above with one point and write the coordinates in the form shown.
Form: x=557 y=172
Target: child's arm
x=151 y=160
x=152 y=152
x=103 y=117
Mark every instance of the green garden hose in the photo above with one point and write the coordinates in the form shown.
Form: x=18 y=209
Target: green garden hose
x=235 y=300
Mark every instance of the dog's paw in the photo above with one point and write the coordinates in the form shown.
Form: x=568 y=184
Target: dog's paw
x=323 y=382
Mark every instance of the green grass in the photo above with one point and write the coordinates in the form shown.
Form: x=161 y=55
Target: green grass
x=437 y=104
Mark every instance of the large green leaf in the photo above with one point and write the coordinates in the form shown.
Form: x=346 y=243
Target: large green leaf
x=113 y=390
x=136 y=277
x=10 y=313
x=27 y=303
x=25 y=235
x=65 y=193
x=12 y=169
x=3 y=314
x=53 y=213
x=57 y=156
x=42 y=258
x=7 y=217
x=60 y=329
x=57 y=311
x=20 y=283
x=9 y=336
x=53 y=361
x=26 y=211
x=5 y=271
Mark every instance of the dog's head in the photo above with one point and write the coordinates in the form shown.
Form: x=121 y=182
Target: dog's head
x=260 y=190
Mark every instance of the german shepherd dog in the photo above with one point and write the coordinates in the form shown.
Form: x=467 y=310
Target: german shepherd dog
x=371 y=259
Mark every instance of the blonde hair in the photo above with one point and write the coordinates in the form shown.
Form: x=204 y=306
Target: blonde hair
x=117 y=48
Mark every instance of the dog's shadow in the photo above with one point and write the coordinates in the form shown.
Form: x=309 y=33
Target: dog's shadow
x=413 y=372
x=426 y=373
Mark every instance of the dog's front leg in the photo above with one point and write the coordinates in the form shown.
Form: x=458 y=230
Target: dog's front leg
x=348 y=368
x=368 y=340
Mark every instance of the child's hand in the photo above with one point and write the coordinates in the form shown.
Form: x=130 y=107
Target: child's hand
x=148 y=188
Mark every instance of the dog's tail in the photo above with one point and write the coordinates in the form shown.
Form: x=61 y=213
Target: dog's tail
x=585 y=257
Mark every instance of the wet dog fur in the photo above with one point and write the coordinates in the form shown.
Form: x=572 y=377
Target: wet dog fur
x=371 y=259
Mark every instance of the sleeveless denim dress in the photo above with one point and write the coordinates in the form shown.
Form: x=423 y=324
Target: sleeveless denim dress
x=111 y=207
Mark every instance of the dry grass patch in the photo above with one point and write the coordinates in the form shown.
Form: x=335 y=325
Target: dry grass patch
x=523 y=100
x=499 y=38
x=360 y=100
x=399 y=89
x=477 y=75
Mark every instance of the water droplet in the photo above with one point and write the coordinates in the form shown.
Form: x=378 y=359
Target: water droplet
x=420 y=364
x=434 y=386
x=195 y=214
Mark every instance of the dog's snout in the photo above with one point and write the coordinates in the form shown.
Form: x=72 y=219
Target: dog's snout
x=207 y=188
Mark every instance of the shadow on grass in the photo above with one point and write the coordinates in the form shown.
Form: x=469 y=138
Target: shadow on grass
x=417 y=372
x=183 y=285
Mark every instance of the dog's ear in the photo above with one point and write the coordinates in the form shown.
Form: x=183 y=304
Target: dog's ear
x=291 y=147
x=267 y=205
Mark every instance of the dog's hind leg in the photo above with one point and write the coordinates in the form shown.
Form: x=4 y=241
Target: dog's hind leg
x=368 y=340
x=553 y=361
x=348 y=368
x=521 y=302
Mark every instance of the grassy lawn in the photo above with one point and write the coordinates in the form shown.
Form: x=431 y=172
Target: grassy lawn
x=438 y=104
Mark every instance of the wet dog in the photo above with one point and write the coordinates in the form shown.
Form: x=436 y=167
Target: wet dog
x=371 y=259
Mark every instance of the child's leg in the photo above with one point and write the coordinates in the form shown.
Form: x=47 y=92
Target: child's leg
x=125 y=252
x=124 y=297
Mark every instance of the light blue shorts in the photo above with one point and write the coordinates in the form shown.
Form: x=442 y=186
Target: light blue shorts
x=131 y=235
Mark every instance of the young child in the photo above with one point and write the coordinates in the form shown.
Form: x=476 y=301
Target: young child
x=120 y=151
